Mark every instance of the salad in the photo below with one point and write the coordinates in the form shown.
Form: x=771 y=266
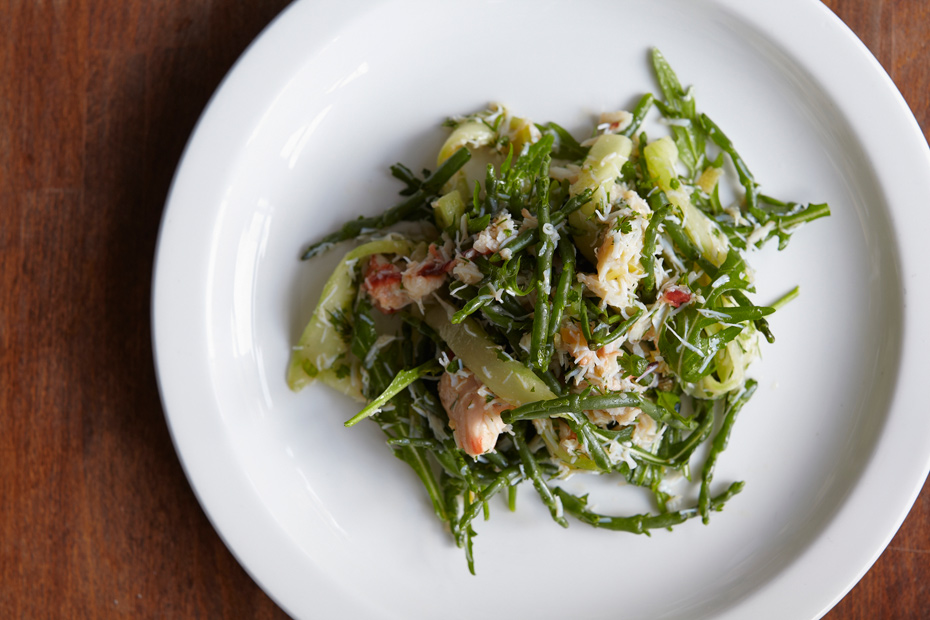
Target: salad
x=539 y=306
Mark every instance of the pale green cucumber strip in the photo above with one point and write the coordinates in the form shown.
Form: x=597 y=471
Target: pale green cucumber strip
x=507 y=378
x=320 y=345
x=661 y=157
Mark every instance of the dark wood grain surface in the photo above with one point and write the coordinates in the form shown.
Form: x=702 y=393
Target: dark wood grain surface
x=97 y=98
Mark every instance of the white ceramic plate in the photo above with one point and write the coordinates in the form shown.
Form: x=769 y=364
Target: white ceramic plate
x=834 y=446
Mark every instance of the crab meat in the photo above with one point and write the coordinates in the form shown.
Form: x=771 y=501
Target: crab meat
x=492 y=238
x=615 y=121
x=422 y=278
x=647 y=432
x=575 y=344
x=383 y=284
x=466 y=271
x=391 y=289
x=676 y=295
x=474 y=412
x=598 y=367
x=619 y=266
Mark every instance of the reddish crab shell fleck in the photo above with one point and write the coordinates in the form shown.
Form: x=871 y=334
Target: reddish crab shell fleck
x=676 y=296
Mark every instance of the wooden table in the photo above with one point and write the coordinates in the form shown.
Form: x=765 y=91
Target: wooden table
x=97 y=98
